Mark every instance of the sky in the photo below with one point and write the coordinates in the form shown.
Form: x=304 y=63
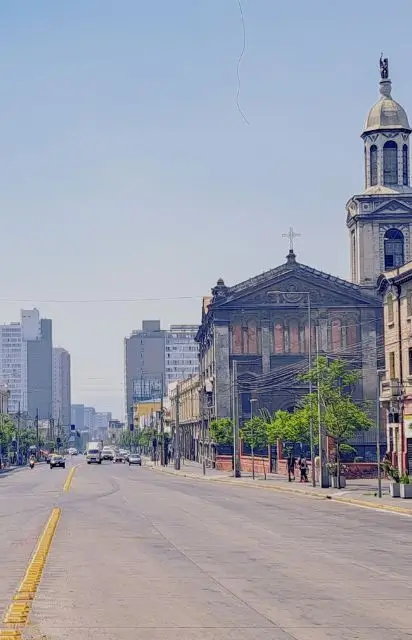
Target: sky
x=136 y=169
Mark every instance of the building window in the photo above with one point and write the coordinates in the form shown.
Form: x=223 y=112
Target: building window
x=405 y=164
x=389 y=304
x=354 y=269
x=393 y=249
x=392 y=365
x=410 y=360
x=390 y=163
x=373 y=158
x=409 y=303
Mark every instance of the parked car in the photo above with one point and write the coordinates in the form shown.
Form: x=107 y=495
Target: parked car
x=134 y=458
x=57 y=461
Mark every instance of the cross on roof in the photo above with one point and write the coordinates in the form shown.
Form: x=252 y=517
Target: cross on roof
x=291 y=235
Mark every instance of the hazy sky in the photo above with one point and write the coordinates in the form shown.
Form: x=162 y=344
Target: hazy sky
x=127 y=170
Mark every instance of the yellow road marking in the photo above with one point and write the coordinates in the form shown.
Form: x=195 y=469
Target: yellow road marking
x=69 y=480
x=18 y=612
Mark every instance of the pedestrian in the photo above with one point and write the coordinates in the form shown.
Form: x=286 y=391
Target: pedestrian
x=303 y=466
x=291 y=461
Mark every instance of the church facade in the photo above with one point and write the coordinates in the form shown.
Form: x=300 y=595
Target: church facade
x=261 y=333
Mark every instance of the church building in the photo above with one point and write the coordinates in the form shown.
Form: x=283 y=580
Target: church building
x=263 y=332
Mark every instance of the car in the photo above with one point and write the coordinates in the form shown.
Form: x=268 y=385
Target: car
x=119 y=458
x=57 y=461
x=134 y=458
x=107 y=454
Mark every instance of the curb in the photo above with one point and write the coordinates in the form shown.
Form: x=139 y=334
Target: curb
x=319 y=496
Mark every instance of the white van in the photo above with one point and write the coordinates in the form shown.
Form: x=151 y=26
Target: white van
x=94 y=452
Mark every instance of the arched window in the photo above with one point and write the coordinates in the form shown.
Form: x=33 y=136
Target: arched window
x=373 y=158
x=394 y=249
x=390 y=163
x=389 y=303
x=405 y=164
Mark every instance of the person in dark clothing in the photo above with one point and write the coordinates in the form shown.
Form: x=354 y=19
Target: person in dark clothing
x=303 y=466
x=291 y=466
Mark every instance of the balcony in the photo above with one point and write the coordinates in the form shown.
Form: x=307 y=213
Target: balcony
x=390 y=390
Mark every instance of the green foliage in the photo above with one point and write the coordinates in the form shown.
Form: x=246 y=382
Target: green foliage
x=7 y=430
x=130 y=439
x=221 y=431
x=290 y=427
x=254 y=432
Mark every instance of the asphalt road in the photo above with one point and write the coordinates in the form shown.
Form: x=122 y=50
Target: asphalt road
x=140 y=555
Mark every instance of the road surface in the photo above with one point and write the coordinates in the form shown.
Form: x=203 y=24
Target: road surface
x=140 y=555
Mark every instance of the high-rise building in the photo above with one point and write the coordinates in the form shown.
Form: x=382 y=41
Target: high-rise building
x=181 y=353
x=61 y=387
x=26 y=363
x=12 y=366
x=144 y=364
x=89 y=418
x=77 y=413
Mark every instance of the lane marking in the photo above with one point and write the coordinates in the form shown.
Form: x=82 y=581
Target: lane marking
x=69 y=479
x=17 y=614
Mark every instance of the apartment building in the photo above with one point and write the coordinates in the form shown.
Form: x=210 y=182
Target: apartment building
x=396 y=379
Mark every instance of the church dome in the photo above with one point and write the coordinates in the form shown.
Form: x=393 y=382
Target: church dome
x=386 y=113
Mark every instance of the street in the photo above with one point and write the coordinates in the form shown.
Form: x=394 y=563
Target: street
x=141 y=554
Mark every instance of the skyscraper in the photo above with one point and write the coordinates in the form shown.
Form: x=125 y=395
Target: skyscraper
x=26 y=363
x=144 y=354
x=181 y=353
x=61 y=387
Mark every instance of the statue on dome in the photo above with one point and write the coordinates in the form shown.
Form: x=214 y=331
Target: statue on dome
x=384 y=66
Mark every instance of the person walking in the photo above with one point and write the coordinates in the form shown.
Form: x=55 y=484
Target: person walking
x=291 y=462
x=303 y=466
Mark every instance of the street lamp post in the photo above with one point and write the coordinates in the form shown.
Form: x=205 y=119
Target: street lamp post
x=379 y=374
x=252 y=446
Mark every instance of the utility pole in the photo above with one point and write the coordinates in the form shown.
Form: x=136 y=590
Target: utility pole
x=322 y=461
x=162 y=428
x=18 y=435
x=203 y=431
x=36 y=424
x=379 y=373
x=312 y=454
x=252 y=400
x=236 y=443
x=177 y=429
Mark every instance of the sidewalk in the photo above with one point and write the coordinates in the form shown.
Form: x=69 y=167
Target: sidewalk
x=362 y=493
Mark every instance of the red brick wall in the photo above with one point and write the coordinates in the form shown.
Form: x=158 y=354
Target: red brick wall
x=354 y=470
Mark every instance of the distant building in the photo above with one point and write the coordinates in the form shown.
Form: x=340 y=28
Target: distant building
x=77 y=413
x=26 y=363
x=154 y=358
x=61 y=387
x=89 y=419
x=181 y=353
x=144 y=355
x=4 y=400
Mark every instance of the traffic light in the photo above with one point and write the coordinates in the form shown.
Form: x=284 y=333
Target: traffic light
x=58 y=441
x=131 y=427
x=72 y=427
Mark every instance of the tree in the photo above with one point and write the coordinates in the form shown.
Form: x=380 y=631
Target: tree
x=341 y=417
x=254 y=432
x=221 y=431
x=7 y=430
x=289 y=427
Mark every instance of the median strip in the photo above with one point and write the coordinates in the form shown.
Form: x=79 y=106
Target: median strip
x=69 y=480
x=18 y=612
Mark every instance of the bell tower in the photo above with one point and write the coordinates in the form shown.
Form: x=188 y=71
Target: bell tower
x=379 y=219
